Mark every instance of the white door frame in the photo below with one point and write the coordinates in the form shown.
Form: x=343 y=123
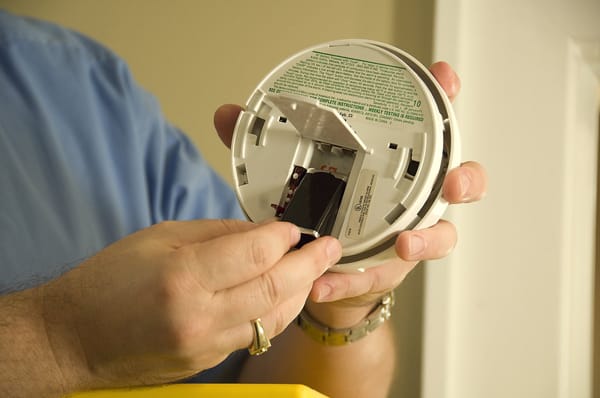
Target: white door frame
x=509 y=313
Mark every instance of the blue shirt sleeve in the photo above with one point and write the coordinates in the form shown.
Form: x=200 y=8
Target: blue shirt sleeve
x=86 y=157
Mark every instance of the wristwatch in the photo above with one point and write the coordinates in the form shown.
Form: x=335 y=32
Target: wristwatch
x=337 y=337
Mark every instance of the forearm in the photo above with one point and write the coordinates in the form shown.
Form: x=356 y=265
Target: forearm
x=27 y=365
x=361 y=369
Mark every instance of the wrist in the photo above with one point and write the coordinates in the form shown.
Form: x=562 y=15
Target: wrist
x=338 y=314
x=25 y=344
x=334 y=335
x=57 y=313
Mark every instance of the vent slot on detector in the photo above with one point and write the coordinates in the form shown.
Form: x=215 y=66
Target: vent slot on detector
x=242 y=174
x=257 y=129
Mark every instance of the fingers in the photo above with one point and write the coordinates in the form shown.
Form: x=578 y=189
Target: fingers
x=236 y=258
x=224 y=119
x=365 y=287
x=241 y=335
x=219 y=285
x=275 y=297
x=468 y=182
x=464 y=184
x=247 y=275
x=292 y=275
x=427 y=244
x=447 y=78
x=360 y=288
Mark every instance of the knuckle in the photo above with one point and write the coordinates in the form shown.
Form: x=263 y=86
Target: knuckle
x=258 y=254
x=322 y=259
x=168 y=231
x=184 y=257
x=173 y=330
x=267 y=245
x=451 y=232
x=180 y=337
x=271 y=290
x=318 y=257
x=177 y=329
x=183 y=340
x=169 y=290
x=182 y=269
x=374 y=282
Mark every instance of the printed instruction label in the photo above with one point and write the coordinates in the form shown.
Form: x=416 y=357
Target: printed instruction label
x=355 y=87
x=361 y=201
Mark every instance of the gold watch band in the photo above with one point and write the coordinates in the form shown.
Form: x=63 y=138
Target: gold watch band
x=336 y=337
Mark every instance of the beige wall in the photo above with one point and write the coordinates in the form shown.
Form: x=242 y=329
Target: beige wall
x=196 y=55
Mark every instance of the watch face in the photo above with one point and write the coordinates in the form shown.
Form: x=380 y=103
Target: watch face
x=351 y=138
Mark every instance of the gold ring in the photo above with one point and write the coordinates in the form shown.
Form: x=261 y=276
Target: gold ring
x=260 y=342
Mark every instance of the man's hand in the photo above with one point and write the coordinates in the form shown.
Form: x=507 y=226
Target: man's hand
x=174 y=299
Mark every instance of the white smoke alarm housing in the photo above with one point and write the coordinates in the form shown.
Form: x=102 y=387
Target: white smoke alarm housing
x=351 y=138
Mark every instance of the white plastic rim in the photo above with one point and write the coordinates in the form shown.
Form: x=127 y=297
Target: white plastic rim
x=370 y=114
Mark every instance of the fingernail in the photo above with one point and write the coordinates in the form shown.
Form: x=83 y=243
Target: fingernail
x=416 y=245
x=294 y=235
x=333 y=250
x=465 y=184
x=324 y=292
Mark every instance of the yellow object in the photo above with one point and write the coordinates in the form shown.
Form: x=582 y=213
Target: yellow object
x=207 y=391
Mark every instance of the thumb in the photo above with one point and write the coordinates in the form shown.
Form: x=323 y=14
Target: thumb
x=224 y=120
